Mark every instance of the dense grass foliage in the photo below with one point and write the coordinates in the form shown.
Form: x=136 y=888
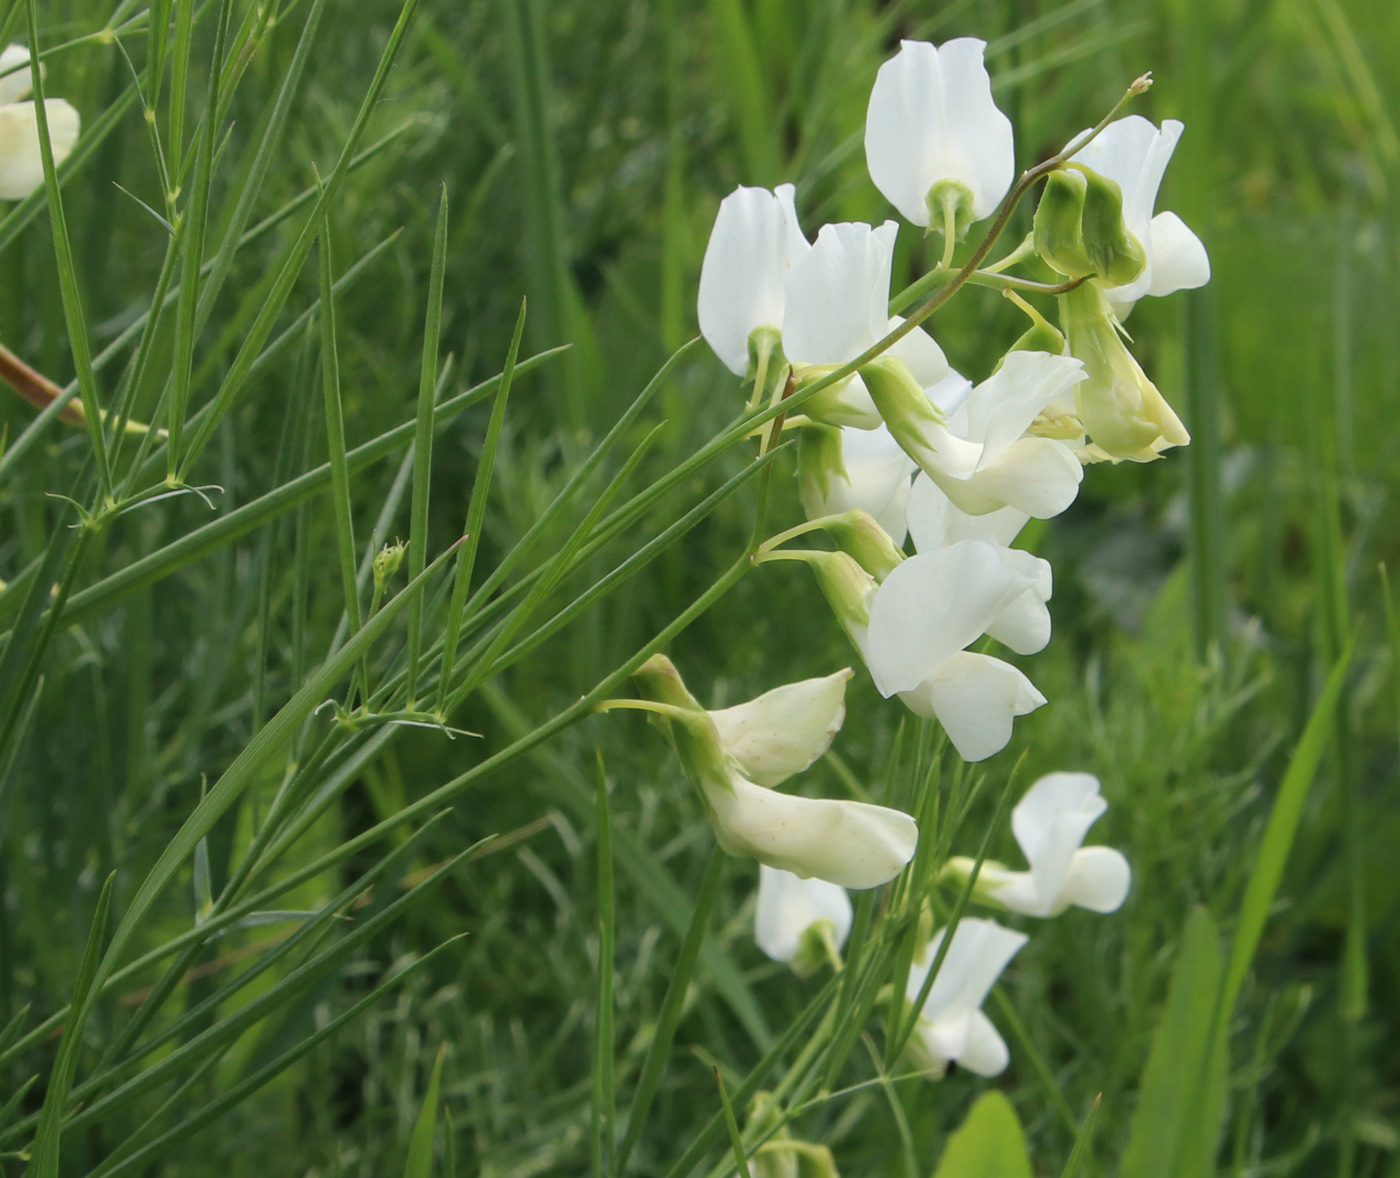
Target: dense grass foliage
x=1200 y=601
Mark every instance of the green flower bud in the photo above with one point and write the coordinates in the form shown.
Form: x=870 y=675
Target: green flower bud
x=1121 y=410
x=1079 y=228
x=386 y=563
x=857 y=534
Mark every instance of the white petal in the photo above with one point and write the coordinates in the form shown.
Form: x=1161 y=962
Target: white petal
x=754 y=242
x=838 y=293
x=934 y=521
x=1015 y=890
x=931 y=117
x=853 y=844
x=14 y=86
x=1098 y=879
x=1004 y=405
x=976 y=698
x=877 y=480
x=932 y=606
x=784 y=730
x=21 y=166
x=985 y=1053
x=1050 y=823
x=1038 y=476
x=920 y=351
x=980 y=950
x=789 y=905
x=1024 y=625
x=1179 y=260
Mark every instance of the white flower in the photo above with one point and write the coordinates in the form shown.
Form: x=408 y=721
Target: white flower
x=932 y=121
x=1050 y=823
x=790 y=907
x=1037 y=475
x=843 y=469
x=935 y=522
x=21 y=164
x=951 y=1026
x=924 y=615
x=755 y=241
x=1134 y=154
x=837 y=308
x=727 y=753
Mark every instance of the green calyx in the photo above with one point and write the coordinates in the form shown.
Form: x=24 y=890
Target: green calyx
x=818 y=462
x=857 y=534
x=1080 y=231
x=949 y=207
x=687 y=725
x=902 y=402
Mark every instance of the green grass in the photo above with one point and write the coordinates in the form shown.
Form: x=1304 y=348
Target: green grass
x=173 y=678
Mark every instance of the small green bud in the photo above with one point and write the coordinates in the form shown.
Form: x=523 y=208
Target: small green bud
x=856 y=533
x=950 y=201
x=386 y=564
x=1079 y=228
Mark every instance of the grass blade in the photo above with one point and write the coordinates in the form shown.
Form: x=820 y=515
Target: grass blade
x=604 y=1083
x=420 y=1149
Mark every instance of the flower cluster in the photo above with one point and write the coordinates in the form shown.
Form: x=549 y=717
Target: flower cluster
x=893 y=446
x=21 y=164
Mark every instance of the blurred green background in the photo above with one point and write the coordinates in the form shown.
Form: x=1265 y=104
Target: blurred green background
x=1199 y=600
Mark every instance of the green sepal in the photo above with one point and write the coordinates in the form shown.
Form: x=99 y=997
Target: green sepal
x=857 y=534
x=819 y=460
x=1079 y=229
x=687 y=725
x=948 y=198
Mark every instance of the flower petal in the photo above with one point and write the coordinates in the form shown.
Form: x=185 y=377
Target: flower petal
x=754 y=242
x=789 y=905
x=14 y=86
x=931 y=117
x=1039 y=476
x=853 y=844
x=934 y=521
x=784 y=730
x=976 y=698
x=1050 y=823
x=876 y=481
x=837 y=294
x=21 y=165
x=1004 y=405
x=985 y=1053
x=1098 y=879
x=1024 y=625
x=920 y=351
x=932 y=606
x=1179 y=260
x=980 y=950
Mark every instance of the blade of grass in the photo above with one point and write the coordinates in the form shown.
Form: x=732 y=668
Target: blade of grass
x=604 y=1080
x=476 y=515
x=420 y=1148
x=423 y=443
x=1082 y=1140
x=672 y=1007
x=75 y=318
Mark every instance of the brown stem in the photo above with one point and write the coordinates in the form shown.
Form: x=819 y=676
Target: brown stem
x=36 y=388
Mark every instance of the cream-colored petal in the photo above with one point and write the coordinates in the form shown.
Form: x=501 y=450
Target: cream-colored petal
x=784 y=730
x=16 y=80
x=21 y=165
x=853 y=844
x=1098 y=879
x=985 y=1053
x=976 y=698
x=837 y=294
x=789 y=905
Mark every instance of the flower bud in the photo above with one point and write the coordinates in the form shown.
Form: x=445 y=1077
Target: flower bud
x=1079 y=228
x=1123 y=413
x=386 y=563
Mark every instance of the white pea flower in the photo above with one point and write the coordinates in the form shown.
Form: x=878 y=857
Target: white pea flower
x=924 y=615
x=734 y=756
x=21 y=164
x=792 y=913
x=935 y=142
x=1050 y=823
x=935 y=522
x=1134 y=154
x=755 y=241
x=837 y=308
x=1009 y=467
x=951 y=1026
x=843 y=469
